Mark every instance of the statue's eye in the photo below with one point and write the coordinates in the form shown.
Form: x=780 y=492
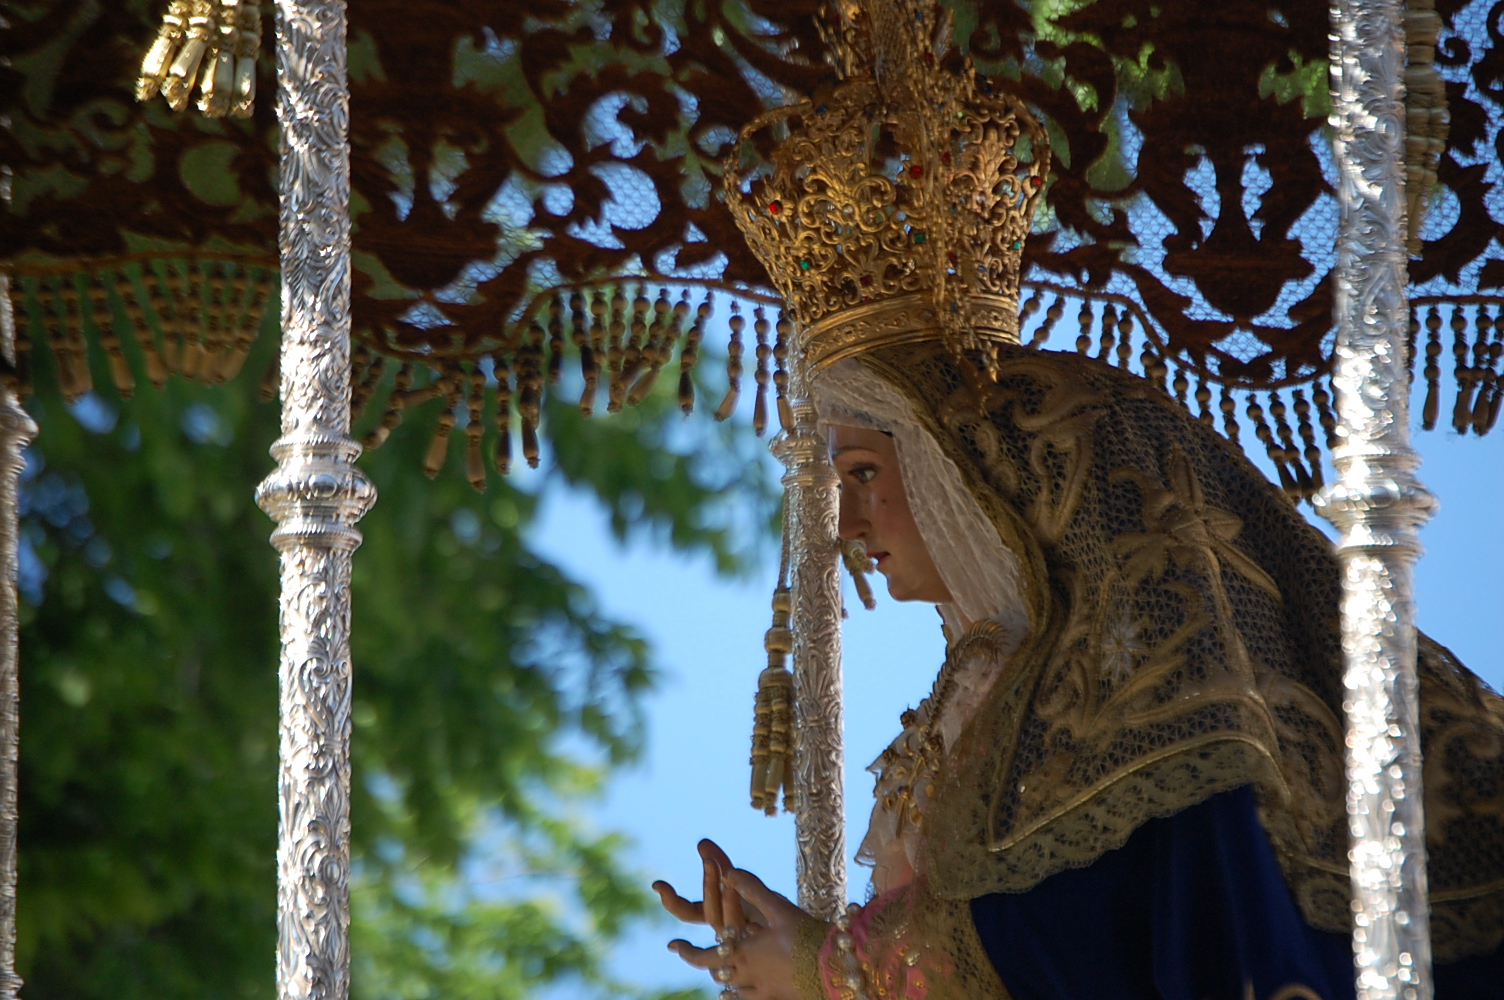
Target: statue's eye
x=863 y=474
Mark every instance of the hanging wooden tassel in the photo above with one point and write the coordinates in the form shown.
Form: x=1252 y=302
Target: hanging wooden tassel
x=1109 y=331
x=219 y=336
x=773 y=711
x=1182 y=385
x=1271 y=448
x=1483 y=373
x=258 y=291
x=1287 y=450
x=165 y=296
x=1204 y=403
x=452 y=386
x=503 y=376
x=1154 y=366
x=555 y=339
x=391 y=417
x=146 y=338
x=1083 y=322
x=1308 y=439
x=1487 y=411
x=1229 y=407
x=781 y=372
x=1047 y=325
x=631 y=355
x=579 y=335
x=616 y=334
x=1432 y=406
x=369 y=367
x=193 y=328
x=1462 y=373
x=660 y=346
x=591 y=351
x=1125 y=339
x=530 y=392
x=271 y=382
x=1323 y=400
x=761 y=374
x=68 y=342
x=1026 y=312
x=475 y=430
x=690 y=355
x=733 y=364
x=109 y=338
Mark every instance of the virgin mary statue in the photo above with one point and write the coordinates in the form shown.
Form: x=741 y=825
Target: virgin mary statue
x=1127 y=782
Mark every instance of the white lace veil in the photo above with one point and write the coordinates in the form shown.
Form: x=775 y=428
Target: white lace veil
x=981 y=574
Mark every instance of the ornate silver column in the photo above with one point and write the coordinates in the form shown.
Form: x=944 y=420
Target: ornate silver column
x=315 y=495
x=1378 y=505
x=812 y=502
x=16 y=431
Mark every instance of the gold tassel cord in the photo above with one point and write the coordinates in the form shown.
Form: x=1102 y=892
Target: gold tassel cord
x=773 y=712
x=211 y=45
x=1427 y=120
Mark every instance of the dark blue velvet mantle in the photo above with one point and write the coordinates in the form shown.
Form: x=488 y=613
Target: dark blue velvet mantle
x=1192 y=907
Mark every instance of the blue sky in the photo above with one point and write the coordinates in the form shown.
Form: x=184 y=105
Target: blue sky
x=707 y=637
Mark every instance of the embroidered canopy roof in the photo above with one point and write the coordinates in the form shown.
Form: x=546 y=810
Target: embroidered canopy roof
x=535 y=178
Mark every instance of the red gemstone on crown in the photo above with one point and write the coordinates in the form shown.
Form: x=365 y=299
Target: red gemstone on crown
x=916 y=171
x=776 y=206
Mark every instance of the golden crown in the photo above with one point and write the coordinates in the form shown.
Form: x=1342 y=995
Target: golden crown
x=894 y=207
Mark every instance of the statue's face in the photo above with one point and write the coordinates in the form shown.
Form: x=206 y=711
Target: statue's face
x=875 y=510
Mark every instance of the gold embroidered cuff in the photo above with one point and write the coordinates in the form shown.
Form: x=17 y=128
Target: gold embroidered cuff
x=809 y=938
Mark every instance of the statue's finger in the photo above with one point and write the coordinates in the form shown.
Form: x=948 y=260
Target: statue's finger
x=751 y=888
x=712 y=906
x=731 y=909
x=711 y=851
x=700 y=958
x=678 y=906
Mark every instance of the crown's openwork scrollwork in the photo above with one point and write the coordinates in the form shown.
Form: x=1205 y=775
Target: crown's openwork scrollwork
x=895 y=206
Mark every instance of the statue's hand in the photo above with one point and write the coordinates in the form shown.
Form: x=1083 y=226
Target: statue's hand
x=738 y=906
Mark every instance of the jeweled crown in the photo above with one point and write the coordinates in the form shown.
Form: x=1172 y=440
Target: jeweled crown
x=894 y=207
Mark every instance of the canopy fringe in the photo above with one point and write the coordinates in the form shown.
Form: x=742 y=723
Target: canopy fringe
x=197 y=316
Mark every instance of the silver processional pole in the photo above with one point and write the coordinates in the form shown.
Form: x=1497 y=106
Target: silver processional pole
x=811 y=502
x=1378 y=505
x=315 y=495
x=16 y=430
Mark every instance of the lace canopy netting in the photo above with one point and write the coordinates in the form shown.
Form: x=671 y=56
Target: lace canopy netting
x=538 y=180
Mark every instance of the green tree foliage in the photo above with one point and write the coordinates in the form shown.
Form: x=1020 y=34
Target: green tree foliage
x=490 y=697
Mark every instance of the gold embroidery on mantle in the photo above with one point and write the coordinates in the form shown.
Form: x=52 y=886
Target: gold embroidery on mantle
x=1176 y=650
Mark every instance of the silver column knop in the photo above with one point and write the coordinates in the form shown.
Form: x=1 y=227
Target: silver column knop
x=1378 y=505
x=315 y=495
